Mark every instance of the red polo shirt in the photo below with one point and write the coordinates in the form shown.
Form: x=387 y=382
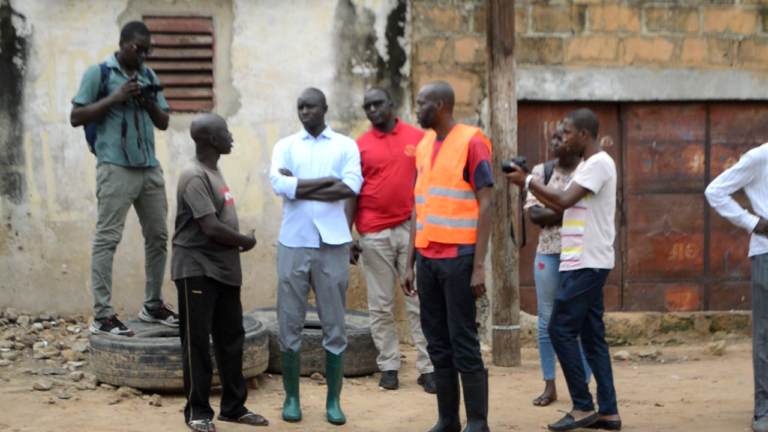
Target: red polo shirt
x=388 y=161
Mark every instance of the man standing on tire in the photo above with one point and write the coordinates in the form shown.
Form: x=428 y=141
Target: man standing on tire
x=751 y=175
x=314 y=171
x=205 y=265
x=586 y=259
x=382 y=215
x=128 y=173
x=450 y=228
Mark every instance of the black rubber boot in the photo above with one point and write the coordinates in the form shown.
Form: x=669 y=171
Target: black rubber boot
x=476 y=400
x=448 y=401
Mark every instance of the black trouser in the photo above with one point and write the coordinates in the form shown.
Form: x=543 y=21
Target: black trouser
x=448 y=312
x=208 y=308
x=578 y=313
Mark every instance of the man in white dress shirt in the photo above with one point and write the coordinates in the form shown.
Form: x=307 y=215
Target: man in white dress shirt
x=751 y=174
x=314 y=170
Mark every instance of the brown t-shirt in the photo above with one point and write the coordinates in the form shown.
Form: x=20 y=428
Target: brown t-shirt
x=202 y=191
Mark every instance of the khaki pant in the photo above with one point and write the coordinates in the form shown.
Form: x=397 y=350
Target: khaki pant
x=385 y=254
x=117 y=189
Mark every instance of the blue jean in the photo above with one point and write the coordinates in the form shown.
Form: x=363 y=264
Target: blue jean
x=546 y=272
x=578 y=312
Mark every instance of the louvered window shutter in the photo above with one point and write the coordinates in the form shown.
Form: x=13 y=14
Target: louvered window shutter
x=182 y=58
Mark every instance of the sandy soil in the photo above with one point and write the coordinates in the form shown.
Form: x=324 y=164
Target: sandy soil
x=688 y=392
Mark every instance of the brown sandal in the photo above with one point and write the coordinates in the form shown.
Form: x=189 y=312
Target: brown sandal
x=249 y=418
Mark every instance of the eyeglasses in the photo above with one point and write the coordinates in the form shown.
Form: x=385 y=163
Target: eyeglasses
x=375 y=104
x=139 y=50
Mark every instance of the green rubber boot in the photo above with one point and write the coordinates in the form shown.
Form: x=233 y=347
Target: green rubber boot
x=334 y=378
x=291 y=364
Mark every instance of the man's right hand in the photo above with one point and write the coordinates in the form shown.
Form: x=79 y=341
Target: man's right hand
x=762 y=227
x=251 y=241
x=409 y=289
x=129 y=89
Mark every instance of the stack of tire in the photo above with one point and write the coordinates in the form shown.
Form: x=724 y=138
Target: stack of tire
x=152 y=359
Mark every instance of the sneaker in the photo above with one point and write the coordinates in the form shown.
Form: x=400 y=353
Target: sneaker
x=428 y=382
x=163 y=315
x=389 y=380
x=110 y=325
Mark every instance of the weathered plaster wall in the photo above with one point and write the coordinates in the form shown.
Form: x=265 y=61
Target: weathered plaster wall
x=267 y=52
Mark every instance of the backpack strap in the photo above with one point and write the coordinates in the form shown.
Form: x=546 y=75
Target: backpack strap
x=104 y=79
x=549 y=168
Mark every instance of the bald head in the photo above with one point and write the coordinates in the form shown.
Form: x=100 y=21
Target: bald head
x=434 y=104
x=313 y=94
x=312 y=108
x=210 y=130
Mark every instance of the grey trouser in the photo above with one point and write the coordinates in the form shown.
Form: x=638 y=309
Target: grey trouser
x=384 y=258
x=760 y=332
x=326 y=270
x=117 y=189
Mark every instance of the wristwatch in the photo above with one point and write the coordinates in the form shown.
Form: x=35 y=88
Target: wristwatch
x=528 y=181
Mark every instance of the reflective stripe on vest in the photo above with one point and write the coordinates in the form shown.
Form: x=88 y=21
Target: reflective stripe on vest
x=446 y=205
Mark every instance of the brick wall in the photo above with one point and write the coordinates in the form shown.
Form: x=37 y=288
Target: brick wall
x=703 y=34
x=449 y=44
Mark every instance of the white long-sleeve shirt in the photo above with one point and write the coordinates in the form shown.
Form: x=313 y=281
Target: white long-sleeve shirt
x=306 y=223
x=750 y=174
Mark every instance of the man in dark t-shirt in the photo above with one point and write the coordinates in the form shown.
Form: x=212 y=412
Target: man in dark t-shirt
x=205 y=265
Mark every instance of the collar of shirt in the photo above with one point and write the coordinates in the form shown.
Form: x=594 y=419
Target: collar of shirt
x=327 y=133
x=379 y=134
x=112 y=63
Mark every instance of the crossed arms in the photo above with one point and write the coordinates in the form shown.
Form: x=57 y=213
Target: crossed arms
x=326 y=189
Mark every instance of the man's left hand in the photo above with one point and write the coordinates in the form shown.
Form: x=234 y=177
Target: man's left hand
x=146 y=103
x=517 y=176
x=285 y=172
x=477 y=283
x=762 y=227
x=354 y=252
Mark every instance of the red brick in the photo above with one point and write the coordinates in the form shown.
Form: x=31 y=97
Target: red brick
x=704 y=52
x=445 y=19
x=429 y=51
x=469 y=50
x=640 y=50
x=592 y=48
x=558 y=19
x=753 y=52
x=611 y=18
x=539 y=50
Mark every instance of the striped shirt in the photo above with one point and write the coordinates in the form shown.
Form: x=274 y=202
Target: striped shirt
x=750 y=174
x=589 y=227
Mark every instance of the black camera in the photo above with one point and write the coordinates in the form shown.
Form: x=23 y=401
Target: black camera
x=520 y=161
x=149 y=91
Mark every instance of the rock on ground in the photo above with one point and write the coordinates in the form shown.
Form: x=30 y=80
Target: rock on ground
x=622 y=355
x=11 y=315
x=5 y=363
x=42 y=385
x=76 y=376
x=128 y=392
x=91 y=379
x=156 y=400
x=715 y=348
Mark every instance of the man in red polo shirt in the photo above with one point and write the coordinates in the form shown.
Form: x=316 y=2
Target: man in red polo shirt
x=382 y=214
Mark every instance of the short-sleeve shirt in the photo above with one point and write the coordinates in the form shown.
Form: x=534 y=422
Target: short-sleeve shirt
x=108 y=132
x=388 y=164
x=478 y=174
x=589 y=226
x=549 y=236
x=203 y=191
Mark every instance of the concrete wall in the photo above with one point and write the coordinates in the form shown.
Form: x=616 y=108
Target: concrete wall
x=267 y=52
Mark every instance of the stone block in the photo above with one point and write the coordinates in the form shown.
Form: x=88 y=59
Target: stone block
x=429 y=51
x=703 y=52
x=469 y=50
x=480 y=20
x=752 y=52
x=641 y=50
x=730 y=20
x=599 y=48
x=558 y=19
x=463 y=83
x=521 y=20
x=539 y=50
x=614 y=18
x=445 y=19
x=672 y=19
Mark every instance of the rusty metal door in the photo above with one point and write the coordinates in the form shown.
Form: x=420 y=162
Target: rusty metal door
x=673 y=252
x=536 y=122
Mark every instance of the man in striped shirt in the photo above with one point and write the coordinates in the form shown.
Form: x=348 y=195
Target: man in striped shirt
x=751 y=175
x=587 y=256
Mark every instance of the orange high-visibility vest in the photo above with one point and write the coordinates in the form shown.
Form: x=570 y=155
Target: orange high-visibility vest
x=446 y=206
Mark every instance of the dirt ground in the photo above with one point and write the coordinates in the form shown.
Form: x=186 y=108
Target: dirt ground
x=681 y=390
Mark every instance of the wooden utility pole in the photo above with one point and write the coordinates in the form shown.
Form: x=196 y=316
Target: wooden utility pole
x=503 y=126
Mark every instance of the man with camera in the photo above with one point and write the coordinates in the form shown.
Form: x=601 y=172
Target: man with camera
x=450 y=228
x=588 y=205
x=121 y=97
x=382 y=214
